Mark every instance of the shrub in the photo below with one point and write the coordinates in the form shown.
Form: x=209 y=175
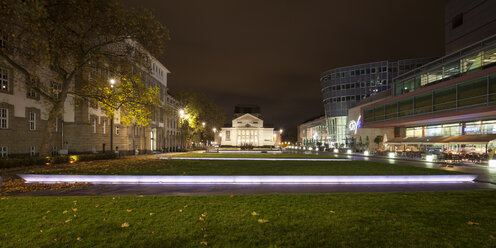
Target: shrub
x=96 y=156
x=29 y=161
x=22 y=161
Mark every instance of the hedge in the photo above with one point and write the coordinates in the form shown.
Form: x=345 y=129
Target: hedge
x=29 y=161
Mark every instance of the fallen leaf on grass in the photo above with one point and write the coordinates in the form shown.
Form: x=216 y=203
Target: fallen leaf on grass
x=105 y=218
x=332 y=212
x=185 y=206
x=180 y=210
x=204 y=229
x=152 y=214
x=79 y=239
x=44 y=217
x=129 y=210
x=74 y=209
x=65 y=212
x=492 y=237
x=97 y=205
x=263 y=220
x=254 y=213
x=68 y=220
x=203 y=243
x=201 y=219
x=232 y=196
x=41 y=231
x=472 y=223
x=204 y=214
x=125 y=224
x=48 y=211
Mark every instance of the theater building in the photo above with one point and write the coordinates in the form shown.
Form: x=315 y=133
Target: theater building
x=247 y=128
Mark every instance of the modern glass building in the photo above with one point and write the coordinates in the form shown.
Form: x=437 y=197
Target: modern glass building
x=446 y=105
x=343 y=87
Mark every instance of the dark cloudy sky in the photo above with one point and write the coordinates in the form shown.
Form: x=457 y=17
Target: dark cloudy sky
x=271 y=52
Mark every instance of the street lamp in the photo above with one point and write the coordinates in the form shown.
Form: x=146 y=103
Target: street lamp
x=214 y=129
x=203 y=124
x=181 y=113
x=280 y=131
x=112 y=82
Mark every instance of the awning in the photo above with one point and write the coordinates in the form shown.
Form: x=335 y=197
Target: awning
x=460 y=139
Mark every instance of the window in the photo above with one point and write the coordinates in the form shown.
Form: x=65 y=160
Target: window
x=4 y=151
x=116 y=130
x=457 y=21
x=4 y=118
x=94 y=125
x=56 y=87
x=32 y=151
x=4 y=80
x=31 y=91
x=104 y=128
x=57 y=124
x=32 y=121
x=228 y=135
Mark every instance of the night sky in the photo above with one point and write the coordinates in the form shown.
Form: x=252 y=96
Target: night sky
x=271 y=53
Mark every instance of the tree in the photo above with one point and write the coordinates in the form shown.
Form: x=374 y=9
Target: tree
x=197 y=109
x=129 y=96
x=378 y=140
x=66 y=36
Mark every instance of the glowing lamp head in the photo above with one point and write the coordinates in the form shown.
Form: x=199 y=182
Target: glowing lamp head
x=366 y=153
x=214 y=129
x=181 y=113
x=349 y=151
x=391 y=155
x=203 y=124
x=336 y=150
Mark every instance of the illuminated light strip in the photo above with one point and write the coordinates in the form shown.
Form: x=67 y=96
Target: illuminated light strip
x=218 y=179
x=243 y=152
x=261 y=159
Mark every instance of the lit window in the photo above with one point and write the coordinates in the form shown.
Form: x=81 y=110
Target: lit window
x=116 y=130
x=32 y=121
x=94 y=125
x=4 y=151
x=4 y=118
x=4 y=80
x=104 y=126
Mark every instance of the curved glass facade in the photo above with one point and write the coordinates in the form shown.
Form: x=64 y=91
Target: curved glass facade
x=343 y=87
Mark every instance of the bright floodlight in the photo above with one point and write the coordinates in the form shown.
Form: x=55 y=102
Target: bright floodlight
x=391 y=155
x=214 y=129
x=112 y=81
x=280 y=130
x=366 y=153
x=429 y=158
x=181 y=113
x=349 y=151
x=203 y=124
x=336 y=150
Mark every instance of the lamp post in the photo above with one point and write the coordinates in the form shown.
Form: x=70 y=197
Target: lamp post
x=112 y=82
x=201 y=134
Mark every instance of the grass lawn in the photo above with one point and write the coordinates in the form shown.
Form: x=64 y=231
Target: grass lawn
x=249 y=155
x=208 y=167
x=414 y=219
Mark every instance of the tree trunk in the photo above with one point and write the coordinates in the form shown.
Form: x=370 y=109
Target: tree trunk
x=56 y=111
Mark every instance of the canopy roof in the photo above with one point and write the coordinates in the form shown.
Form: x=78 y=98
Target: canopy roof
x=460 y=139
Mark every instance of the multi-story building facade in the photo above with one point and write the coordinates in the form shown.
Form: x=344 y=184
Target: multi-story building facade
x=313 y=131
x=343 y=87
x=83 y=128
x=448 y=104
